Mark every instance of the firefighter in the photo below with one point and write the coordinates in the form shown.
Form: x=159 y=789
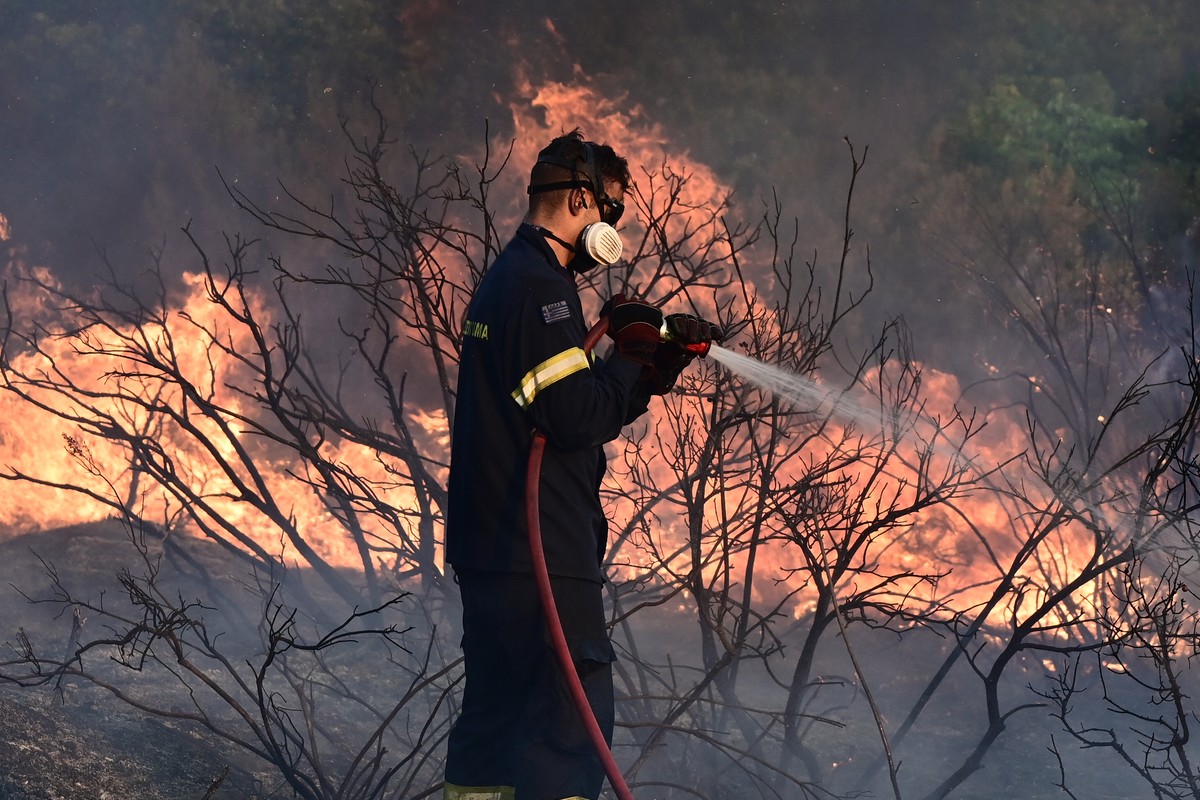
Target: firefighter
x=523 y=367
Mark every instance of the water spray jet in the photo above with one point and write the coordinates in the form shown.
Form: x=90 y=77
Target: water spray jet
x=793 y=387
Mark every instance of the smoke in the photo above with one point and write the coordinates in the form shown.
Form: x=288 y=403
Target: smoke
x=114 y=128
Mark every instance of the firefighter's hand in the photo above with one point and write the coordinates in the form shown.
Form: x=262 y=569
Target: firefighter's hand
x=685 y=329
x=634 y=327
x=670 y=360
x=688 y=337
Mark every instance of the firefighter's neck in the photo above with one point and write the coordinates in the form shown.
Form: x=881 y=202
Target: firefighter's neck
x=563 y=224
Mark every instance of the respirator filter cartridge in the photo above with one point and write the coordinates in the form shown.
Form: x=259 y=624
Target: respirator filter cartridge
x=602 y=242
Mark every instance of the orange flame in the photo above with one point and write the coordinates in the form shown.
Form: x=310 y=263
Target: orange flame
x=544 y=111
x=39 y=442
x=970 y=543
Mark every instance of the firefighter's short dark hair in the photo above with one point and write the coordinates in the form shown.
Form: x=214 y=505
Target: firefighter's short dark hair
x=570 y=162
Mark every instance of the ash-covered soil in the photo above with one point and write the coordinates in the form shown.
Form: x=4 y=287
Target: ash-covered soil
x=52 y=750
x=76 y=741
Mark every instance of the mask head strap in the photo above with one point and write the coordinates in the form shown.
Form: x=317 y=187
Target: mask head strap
x=585 y=175
x=583 y=166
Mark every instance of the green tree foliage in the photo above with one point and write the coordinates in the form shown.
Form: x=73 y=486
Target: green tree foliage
x=1054 y=125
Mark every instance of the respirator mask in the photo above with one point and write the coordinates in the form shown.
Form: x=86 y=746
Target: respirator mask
x=598 y=243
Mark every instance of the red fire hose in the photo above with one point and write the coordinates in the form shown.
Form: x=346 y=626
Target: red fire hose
x=550 y=610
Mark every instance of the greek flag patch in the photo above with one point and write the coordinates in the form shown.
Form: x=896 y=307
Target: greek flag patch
x=556 y=312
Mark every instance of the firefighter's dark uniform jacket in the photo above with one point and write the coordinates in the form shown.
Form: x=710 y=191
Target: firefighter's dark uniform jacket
x=523 y=367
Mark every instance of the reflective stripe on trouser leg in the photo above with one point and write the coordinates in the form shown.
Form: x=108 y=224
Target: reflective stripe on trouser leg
x=452 y=792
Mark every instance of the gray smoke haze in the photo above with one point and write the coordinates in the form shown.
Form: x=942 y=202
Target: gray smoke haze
x=116 y=118
x=121 y=123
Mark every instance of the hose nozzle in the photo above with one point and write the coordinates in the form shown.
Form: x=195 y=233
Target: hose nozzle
x=699 y=348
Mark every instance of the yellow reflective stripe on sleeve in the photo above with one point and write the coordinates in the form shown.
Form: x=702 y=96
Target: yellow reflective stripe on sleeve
x=549 y=372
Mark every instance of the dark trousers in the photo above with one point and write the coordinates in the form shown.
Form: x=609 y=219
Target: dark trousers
x=518 y=726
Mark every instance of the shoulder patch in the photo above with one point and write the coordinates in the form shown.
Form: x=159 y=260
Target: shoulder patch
x=556 y=312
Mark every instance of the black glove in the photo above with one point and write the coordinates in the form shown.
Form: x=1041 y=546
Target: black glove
x=684 y=332
x=685 y=329
x=634 y=326
x=669 y=362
